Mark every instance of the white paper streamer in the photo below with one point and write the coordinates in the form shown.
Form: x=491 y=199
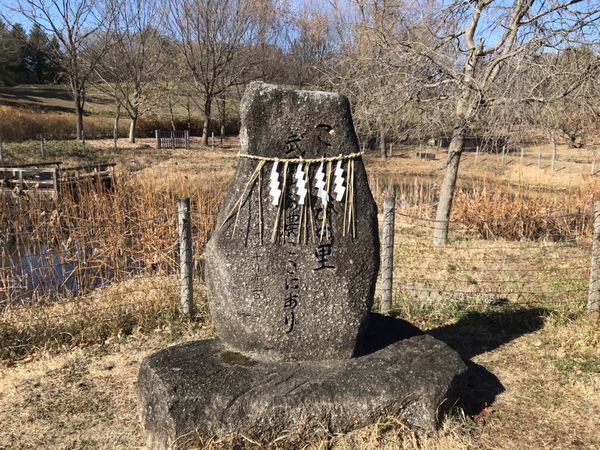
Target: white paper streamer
x=301 y=190
x=275 y=191
x=320 y=185
x=338 y=182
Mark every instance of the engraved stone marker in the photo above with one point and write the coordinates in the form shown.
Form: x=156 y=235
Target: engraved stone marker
x=292 y=264
x=291 y=270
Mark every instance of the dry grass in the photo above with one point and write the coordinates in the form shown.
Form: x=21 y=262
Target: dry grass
x=100 y=237
x=493 y=212
x=138 y=305
x=548 y=366
x=22 y=124
x=573 y=167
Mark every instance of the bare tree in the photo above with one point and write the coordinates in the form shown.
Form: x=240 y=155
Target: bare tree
x=388 y=87
x=130 y=68
x=77 y=25
x=214 y=37
x=309 y=44
x=471 y=44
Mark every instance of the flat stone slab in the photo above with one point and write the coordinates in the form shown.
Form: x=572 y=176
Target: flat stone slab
x=201 y=389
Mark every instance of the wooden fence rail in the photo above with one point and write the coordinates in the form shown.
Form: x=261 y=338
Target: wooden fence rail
x=50 y=177
x=172 y=139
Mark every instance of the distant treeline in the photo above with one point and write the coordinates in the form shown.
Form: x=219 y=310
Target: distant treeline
x=27 y=58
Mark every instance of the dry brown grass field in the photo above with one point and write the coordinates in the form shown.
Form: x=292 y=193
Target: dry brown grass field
x=513 y=307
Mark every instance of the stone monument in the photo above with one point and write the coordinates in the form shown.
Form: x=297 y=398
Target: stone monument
x=291 y=272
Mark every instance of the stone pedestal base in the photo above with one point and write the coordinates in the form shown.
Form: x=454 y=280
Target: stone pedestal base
x=200 y=389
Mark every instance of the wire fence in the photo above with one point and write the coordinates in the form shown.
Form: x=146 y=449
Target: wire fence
x=470 y=270
x=70 y=259
x=51 y=262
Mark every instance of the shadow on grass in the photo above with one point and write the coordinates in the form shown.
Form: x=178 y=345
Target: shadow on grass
x=479 y=332
x=474 y=333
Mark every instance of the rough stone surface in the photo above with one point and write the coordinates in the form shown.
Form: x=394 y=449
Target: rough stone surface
x=288 y=300
x=202 y=389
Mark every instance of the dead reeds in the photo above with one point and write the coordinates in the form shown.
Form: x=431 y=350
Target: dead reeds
x=90 y=236
x=491 y=210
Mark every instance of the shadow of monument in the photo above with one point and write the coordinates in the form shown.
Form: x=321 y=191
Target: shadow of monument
x=473 y=334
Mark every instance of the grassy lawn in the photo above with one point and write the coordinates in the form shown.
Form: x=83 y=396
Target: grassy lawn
x=533 y=383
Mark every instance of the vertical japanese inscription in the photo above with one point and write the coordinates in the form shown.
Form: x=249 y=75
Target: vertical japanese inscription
x=292 y=280
x=324 y=250
x=257 y=282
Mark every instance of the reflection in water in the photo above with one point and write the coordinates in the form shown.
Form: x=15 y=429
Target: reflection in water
x=46 y=272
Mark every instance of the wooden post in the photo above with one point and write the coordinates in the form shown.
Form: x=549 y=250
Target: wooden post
x=554 y=154
x=185 y=257
x=212 y=140
x=187 y=139
x=522 y=154
x=476 y=153
x=55 y=178
x=172 y=140
x=503 y=154
x=593 y=303
x=1 y=149
x=157 y=139
x=387 y=251
x=391 y=150
x=42 y=146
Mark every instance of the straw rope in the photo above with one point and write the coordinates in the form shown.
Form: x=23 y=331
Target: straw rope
x=302 y=160
x=306 y=211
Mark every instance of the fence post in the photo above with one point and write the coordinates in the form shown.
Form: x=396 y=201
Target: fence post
x=522 y=154
x=172 y=140
x=187 y=139
x=185 y=257
x=476 y=153
x=593 y=303
x=55 y=178
x=42 y=146
x=157 y=139
x=387 y=253
x=1 y=149
x=212 y=141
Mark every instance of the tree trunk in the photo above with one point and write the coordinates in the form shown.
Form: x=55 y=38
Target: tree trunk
x=189 y=113
x=116 y=125
x=132 y=129
x=116 y=122
x=207 y=110
x=382 y=147
x=554 y=153
x=78 y=93
x=79 y=118
x=222 y=119
x=442 y=218
x=172 y=114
